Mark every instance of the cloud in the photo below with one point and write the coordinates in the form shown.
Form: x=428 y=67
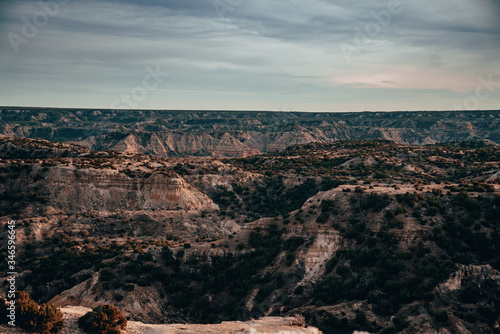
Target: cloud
x=257 y=53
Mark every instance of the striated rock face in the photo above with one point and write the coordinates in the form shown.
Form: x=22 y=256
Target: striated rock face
x=108 y=190
x=240 y=134
x=470 y=281
x=467 y=275
x=469 y=289
x=358 y=268
x=144 y=303
x=130 y=145
x=327 y=242
x=230 y=146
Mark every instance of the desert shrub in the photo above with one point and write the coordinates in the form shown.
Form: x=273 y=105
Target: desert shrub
x=290 y=257
x=107 y=274
x=432 y=211
x=299 y=290
x=330 y=184
x=327 y=205
x=265 y=291
x=168 y=257
x=400 y=323
x=467 y=202
x=359 y=189
x=375 y=202
x=442 y=316
x=34 y=318
x=293 y=243
x=322 y=218
x=3 y=310
x=49 y=319
x=409 y=199
x=361 y=318
x=104 y=319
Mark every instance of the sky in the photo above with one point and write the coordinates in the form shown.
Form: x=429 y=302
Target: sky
x=294 y=55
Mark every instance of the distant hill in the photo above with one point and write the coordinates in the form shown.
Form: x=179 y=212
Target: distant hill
x=240 y=133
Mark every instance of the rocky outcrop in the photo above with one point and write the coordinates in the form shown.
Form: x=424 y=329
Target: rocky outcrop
x=143 y=303
x=326 y=243
x=466 y=276
x=470 y=290
x=74 y=189
x=129 y=145
x=266 y=325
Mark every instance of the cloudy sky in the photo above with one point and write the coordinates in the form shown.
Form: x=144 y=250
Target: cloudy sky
x=310 y=55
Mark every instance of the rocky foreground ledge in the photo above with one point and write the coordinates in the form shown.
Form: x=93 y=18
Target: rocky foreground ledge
x=266 y=325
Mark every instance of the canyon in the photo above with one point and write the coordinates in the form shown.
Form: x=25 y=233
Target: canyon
x=371 y=235
x=238 y=133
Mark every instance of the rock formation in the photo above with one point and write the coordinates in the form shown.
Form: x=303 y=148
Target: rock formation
x=240 y=134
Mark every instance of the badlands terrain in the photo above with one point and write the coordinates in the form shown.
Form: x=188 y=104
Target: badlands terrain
x=239 y=133
x=349 y=235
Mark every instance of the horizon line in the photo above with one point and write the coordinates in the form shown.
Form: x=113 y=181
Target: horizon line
x=245 y=110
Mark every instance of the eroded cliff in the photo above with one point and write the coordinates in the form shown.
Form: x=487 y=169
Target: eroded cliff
x=240 y=134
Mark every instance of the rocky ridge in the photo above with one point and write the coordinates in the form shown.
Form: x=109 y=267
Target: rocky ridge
x=239 y=134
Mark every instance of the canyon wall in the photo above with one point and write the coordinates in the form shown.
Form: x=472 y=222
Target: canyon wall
x=240 y=134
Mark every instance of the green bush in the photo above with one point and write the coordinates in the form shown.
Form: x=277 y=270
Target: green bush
x=322 y=218
x=432 y=211
x=290 y=257
x=374 y=202
x=106 y=274
x=104 y=319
